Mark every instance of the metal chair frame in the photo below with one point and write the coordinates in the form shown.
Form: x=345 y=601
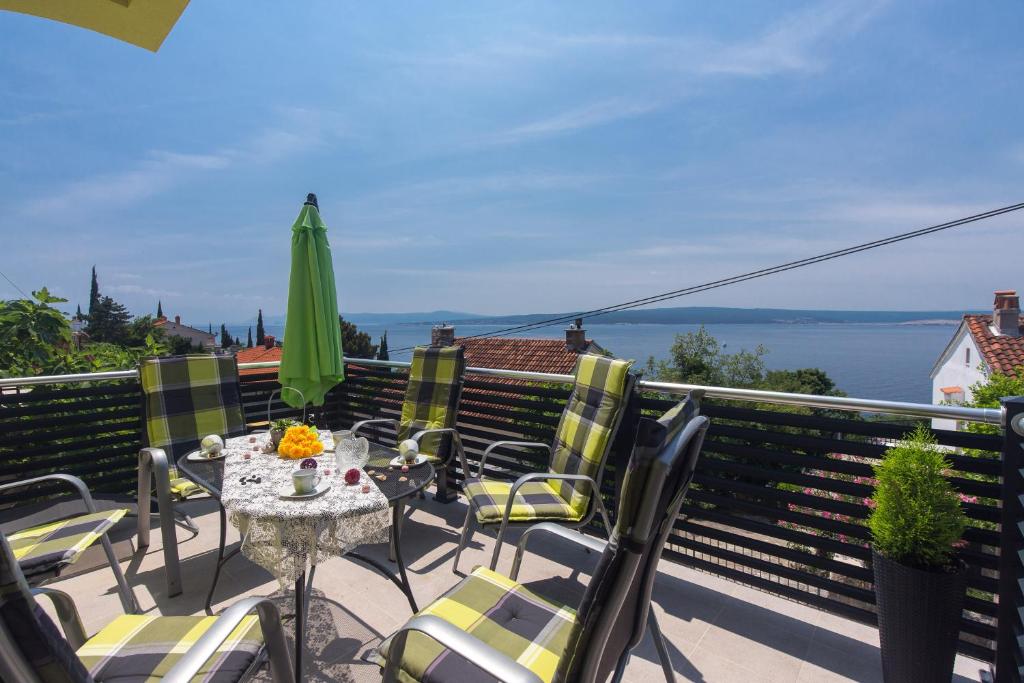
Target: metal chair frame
x=128 y=601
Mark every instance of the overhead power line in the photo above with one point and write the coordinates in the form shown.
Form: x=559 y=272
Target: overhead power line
x=752 y=275
x=14 y=285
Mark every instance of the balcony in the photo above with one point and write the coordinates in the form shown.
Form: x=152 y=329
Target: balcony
x=764 y=577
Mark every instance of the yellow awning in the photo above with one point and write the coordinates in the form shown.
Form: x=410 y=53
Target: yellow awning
x=140 y=22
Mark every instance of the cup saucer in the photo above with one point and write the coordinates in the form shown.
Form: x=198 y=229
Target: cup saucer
x=287 y=492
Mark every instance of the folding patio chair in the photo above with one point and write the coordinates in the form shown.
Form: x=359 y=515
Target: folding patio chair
x=429 y=410
x=492 y=627
x=569 y=491
x=44 y=551
x=184 y=398
x=134 y=647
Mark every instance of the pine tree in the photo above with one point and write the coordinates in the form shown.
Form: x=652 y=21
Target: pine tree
x=109 y=322
x=260 y=332
x=225 y=337
x=382 y=351
x=94 y=292
x=248 y=344
x=159 y=309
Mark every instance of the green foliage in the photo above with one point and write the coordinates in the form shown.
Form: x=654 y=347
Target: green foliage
x=108 y=321
x=355 y=344
x=283 y=424
x=248 y=343
x=260 y=332
x=699 y=358
x=225 y=337
x=382 y=350
x=94 y=292
x=159 y=309
x=917 y=517
x=986 y=394
x=34 y=336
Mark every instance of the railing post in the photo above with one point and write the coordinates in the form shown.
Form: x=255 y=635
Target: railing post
x=1009 y=655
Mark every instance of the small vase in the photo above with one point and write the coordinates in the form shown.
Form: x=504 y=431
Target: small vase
x=275 y=437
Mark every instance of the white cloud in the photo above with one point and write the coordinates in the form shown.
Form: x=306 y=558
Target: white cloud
x=587 y=116
x=138 y=289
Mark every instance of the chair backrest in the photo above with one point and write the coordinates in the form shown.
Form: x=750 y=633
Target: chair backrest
x=587 y=428
x=185 y=398
x=432 y=396
x=31 y=647
x=613 y=614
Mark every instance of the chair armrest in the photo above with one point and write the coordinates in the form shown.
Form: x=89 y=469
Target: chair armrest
x=70 y=479
x=514 y=444
x=595 y=492
x=206 y=646
x=496 y=663
x=570 y=535
x=67 y=615
x=456 y=439
x=379 y=420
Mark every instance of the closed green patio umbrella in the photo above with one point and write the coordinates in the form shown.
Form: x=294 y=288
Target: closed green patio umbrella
x=312 y=358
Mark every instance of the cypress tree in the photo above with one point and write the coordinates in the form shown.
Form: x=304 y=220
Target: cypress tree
x=260 y=332
x=382 y=351
x=225 y=337
x=238 y=342
x=94 y=292
x=78 y=313
x=159 y=309
x=248 y=344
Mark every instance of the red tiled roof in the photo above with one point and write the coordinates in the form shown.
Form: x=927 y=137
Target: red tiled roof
x=1001 y=353
x=258 y=354
x=515 y=353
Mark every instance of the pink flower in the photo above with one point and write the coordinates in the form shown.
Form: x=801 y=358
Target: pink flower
x=870 y=502
x=968 y=499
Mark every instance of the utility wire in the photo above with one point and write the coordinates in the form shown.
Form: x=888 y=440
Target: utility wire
x=14 y=285
x=764 y=272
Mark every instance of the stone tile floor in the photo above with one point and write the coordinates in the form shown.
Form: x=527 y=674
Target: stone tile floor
x=717 y=630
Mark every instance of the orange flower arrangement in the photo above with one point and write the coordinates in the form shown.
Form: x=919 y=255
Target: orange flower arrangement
x=300 y=442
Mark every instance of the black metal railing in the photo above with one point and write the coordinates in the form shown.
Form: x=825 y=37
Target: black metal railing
x=778 y=502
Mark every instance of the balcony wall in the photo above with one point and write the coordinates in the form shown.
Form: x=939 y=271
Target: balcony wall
x=777 y=501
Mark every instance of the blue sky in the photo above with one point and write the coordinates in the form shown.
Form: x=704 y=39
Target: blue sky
x=517 y=156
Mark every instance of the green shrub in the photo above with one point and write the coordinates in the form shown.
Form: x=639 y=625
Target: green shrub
x=917 y=517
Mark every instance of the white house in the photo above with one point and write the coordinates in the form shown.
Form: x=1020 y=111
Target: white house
x=981 y=345
x=177 y=329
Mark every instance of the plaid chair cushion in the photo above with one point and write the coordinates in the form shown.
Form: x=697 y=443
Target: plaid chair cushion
x=585 y=431
x=141 y=648
x=37 y=638
x=432 y=397
x=47 y=548
x=502 y=613
x=185 y=398
x=535 y=501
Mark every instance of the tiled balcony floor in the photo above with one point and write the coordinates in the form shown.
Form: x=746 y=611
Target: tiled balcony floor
x=717 y=630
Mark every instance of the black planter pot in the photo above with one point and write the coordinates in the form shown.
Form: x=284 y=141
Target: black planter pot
x=918 y=620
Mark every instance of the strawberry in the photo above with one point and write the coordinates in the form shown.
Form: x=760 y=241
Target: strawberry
x=352 y=476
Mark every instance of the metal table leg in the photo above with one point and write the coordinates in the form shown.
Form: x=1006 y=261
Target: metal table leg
x=402 y=580
x=300 y=611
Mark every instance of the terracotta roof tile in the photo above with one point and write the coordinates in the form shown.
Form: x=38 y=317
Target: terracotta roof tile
x=1002 y=354
x=952 y=390
x=258 y=354
x=516 y=353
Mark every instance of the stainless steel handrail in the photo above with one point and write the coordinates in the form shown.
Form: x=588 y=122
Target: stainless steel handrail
x=861 y=405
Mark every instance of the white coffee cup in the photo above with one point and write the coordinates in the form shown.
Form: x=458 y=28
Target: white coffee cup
x=305 y=481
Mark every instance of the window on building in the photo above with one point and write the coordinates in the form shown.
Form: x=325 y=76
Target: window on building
x=967 y=356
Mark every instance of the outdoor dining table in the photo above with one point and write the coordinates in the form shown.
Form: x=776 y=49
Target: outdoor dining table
x=285 y=536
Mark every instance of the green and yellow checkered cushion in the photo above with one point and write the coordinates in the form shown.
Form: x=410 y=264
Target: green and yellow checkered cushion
x=585 y=432
x=498 y=611
x=35 y=637
x=47 y=548
x=535 y=501
x=188 y=397
x=137 y=647
x=432 y=397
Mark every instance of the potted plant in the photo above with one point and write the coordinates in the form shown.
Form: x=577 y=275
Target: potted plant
x=278 y=428
x=920 y=582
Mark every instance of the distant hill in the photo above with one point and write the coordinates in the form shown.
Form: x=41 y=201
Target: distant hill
x=689 y=315
x=694 y=315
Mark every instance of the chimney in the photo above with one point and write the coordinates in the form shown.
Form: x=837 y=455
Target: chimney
x=177 y=320
x=576 y=337
x=268 y=341
x=442 y=335
x=1006 y=313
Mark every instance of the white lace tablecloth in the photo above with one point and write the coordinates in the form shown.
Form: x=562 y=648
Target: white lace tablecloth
x=284 y=536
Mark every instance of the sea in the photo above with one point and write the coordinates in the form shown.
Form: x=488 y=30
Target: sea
x=878 y=361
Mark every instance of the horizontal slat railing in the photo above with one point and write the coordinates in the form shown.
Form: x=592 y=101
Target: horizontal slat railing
x=778 y=500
